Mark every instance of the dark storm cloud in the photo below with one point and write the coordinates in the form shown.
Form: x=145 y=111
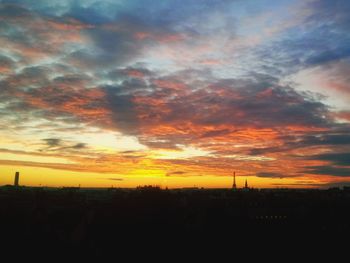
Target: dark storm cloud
x=341 y=159
x=328 y=170
x=327 y=139
x=339 y=164
x=123 y=111
x=244 y=102
x=338 y=136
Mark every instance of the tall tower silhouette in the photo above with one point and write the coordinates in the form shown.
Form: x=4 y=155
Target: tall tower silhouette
x=234 y=181
x=246 y=184
x=16 y=179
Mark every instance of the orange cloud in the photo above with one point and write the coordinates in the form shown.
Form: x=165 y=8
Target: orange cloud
x=4 y=69
x=135 y=73
x=170 y=84
x=77 y=101
x=42 y=37
x=344 y=115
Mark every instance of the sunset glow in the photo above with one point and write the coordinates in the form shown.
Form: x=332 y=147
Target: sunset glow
x=175 y=93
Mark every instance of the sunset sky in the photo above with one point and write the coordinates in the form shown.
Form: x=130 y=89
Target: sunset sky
x=175 y=93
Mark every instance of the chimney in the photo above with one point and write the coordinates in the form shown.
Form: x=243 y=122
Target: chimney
x=16 y=179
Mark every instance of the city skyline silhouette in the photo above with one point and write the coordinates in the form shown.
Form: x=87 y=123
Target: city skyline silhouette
x=142 y=127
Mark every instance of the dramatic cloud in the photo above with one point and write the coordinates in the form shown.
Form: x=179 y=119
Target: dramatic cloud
x=335 y=158
x=174 y=90
x=329 y=170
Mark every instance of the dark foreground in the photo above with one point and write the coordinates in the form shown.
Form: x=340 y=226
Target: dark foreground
x=75 y=222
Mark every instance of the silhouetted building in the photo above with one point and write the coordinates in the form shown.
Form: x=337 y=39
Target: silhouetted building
x=234 y=186
x=16 y=183
x=83 y=222
x=246 y=187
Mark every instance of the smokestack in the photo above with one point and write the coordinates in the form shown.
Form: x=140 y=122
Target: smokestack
x=16 y=179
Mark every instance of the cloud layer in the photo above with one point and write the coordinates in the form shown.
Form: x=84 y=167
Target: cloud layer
x=205 y=88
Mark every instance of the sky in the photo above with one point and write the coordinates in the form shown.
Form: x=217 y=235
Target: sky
x=174 y=93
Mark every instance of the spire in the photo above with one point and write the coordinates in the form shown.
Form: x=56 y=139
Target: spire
x=234 y=181
x=246 y=184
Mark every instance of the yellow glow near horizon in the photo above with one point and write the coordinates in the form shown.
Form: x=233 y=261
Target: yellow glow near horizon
x=33 y=176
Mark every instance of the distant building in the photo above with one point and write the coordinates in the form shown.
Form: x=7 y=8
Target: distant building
x=16 y=183
x=234 y=186
x=246 y=187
